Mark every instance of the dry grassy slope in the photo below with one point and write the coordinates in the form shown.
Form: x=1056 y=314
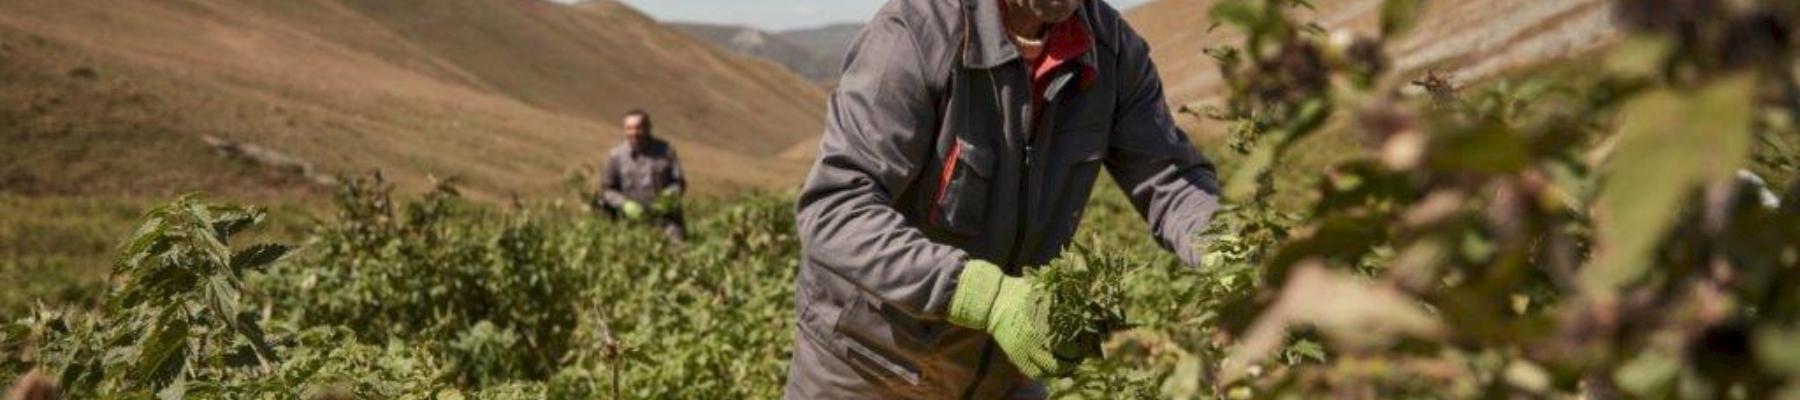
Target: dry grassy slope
x=830 y=42
x=1472 y=39
x=72 y=129
x=511 y=95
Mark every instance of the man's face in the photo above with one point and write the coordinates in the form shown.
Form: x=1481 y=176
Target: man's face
x=635 y=131
x=1049 y=11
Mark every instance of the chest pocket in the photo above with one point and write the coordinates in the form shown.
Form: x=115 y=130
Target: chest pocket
x=966 y=181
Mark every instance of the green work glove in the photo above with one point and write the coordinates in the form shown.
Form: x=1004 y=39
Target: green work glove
x=632 y=210
x=668 y=202
x=1007 y=308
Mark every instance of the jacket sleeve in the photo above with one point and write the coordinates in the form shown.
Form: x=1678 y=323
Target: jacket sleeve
x=878 y=138
x=1170 y=184
x=610 y=182
x=677 y=179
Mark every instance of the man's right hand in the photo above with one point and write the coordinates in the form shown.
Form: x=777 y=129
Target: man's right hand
x=1007 y=308
x=632 y=210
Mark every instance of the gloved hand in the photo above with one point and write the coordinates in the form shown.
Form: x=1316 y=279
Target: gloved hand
x=632 y=210
x=1007 y=308
x=667 y=202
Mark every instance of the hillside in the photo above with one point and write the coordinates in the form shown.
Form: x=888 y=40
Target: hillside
x=828 y=43
x=1470 y=39
x=141 y=97
x=761 y=44
x=815 y=53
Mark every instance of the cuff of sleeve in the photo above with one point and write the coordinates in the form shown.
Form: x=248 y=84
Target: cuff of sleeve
x=976 y=289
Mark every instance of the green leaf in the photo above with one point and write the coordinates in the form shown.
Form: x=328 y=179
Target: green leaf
x=248 y=327
x=1639 y=56
x=139 y=246
x=1246 y=15
x=163 y=355
x=221 y=295
x=1399 y=16
x=1493 y=148
x=229 y=221
x=1779 y=349
x=1669 y=145
x=1246 y=180
x=1311 y=115
x=1650 y=375
x=256 y=257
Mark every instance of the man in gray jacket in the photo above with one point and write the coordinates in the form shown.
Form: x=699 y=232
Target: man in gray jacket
x=642 y=179
x=960 y=148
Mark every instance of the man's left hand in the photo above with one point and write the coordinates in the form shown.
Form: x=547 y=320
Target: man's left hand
x=667 y=202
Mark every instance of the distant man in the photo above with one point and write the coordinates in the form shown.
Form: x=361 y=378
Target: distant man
x=960 y=148
x=642 y=179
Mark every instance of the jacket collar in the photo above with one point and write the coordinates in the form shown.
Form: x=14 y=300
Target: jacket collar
x=988 y=45
x=652 y=147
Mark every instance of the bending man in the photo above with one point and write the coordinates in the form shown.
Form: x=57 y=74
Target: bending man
x=961 y=146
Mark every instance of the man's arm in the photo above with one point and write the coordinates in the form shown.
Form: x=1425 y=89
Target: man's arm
x=611 y=192
x=878 y=138
x=677 y=179
x=1172 y=186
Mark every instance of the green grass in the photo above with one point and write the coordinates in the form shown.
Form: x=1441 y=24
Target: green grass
x=58 y=250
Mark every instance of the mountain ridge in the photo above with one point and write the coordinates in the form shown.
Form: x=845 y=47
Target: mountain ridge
x=816 y=53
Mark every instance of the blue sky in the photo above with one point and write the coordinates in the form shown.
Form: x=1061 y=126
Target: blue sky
x=772 y=14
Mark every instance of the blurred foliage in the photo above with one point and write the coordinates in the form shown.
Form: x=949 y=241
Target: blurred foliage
x=1611 y=236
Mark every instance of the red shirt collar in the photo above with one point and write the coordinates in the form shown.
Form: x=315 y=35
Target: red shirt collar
x=1065 y=43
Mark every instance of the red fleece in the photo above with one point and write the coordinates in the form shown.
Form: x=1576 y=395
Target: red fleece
x=1065 y=43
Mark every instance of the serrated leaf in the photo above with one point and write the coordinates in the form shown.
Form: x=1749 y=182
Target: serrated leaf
x=221 y=296
x=139 y=246
x=256 y=257
x=248 y=327
x=229 y=221
x=163 y=353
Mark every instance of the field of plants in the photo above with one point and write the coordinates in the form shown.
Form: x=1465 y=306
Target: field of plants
x=1614 y=232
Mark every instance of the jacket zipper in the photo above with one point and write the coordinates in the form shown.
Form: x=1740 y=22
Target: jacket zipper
x=1012 y=258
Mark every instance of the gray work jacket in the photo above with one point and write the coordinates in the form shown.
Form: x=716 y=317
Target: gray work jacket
x=640 y=175
x=931 y=158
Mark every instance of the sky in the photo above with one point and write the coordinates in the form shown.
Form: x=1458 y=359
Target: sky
x=772 y=15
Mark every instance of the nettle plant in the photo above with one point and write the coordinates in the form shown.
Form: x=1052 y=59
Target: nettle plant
x=174 y=318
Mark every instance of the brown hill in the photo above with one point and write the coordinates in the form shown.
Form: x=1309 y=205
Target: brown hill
x=133 y=96
x=829 y=43
x=1470 y=39
x=761 y=44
